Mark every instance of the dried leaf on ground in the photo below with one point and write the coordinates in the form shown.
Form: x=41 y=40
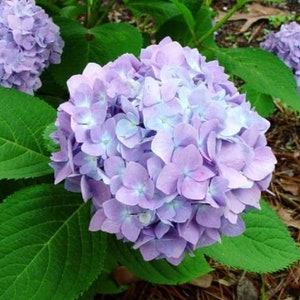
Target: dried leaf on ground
x=286 y=215
x=203 y=281
x=228 y=280
x=245 y=289
x=291 y=187
x=122 y=276
x=254 y=13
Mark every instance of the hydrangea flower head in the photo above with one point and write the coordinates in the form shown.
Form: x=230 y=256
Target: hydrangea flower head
x=29 y=42
x=285 y=44
x=166 y=148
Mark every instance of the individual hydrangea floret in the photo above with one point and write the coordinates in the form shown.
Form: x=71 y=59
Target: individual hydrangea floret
x=285 y=44
x=166 y=147
x=29 y=42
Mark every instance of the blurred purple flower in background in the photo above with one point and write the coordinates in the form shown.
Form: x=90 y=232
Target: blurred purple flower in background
x=167 y=149
x=285 y=44
x=29 y=42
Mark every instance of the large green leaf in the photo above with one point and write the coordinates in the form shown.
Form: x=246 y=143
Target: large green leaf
x=263 y=71
x=158 y=271
x=265 y=246
x=46 y=250
x=23 y=119
x=100 y=44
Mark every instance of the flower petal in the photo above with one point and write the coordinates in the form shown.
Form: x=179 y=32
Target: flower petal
x=262 y=165
x=167 y=179
x=208 y=216
x=192 y=189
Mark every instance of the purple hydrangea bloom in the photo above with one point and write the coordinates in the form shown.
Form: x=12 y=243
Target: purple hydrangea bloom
x=165 y=146
x=285 y=44
x=29 y=42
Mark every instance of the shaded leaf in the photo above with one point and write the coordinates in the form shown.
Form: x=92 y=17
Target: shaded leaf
x=161 y=11
x=203 y=25
x=158 y=271
x=177 y=29
x=49 y=7
x=50 y=87
x=192 y=5
x=100 y=44
x=73 y=12
x=187 y=14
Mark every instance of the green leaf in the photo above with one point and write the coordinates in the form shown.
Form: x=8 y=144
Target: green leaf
x=52 y=100
x=50 y=87
x=262 y=103
x=187 y=15
x=265 y=246
x=177 y=29
x=8 y=187
x=68 y=2
x=161 y=11
x=46 y=250
x=105 y=284
x=51 y=8
x=49 y=143
x=192 y=5
x=158 y=271
x=73 y=12
x=203 y=25
x=100 y=44
x=23 y=119
x=262 y=70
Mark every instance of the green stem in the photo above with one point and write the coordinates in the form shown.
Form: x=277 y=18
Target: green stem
x=263 y=288
x=105 y=11
x=89 y=9
x=219 y=24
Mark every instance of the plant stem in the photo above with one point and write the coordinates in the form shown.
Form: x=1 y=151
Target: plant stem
x=105 y=12
x=219 y=24
x=88 y=13
x=263 y=289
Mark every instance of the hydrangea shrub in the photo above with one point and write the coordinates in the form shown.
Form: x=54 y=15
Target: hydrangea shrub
x=29 y=42
x=166 y=147
x=285 y=44
x=148 y=141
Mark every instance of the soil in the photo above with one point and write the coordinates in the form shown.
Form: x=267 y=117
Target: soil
x=284 y=138
x=230 y=34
